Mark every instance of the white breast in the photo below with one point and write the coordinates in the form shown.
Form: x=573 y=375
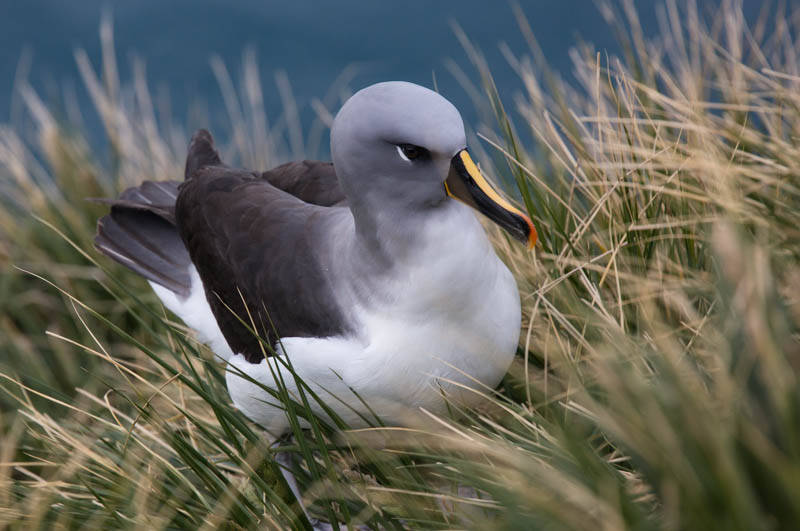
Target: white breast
x=455 y=318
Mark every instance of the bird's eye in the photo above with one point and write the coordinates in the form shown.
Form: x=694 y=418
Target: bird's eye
x=412 y=152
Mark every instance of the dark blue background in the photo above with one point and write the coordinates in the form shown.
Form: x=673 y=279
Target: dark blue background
x=313 y=41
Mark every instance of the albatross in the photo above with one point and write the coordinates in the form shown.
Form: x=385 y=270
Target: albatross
x=371 y=274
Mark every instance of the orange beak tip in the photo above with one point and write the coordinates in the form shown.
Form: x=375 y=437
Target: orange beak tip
x=532 y=238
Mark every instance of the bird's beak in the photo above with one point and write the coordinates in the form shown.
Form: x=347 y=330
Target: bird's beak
x=465 y=183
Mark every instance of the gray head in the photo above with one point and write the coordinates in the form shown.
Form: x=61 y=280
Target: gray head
x=375 y=125
x=400 y=146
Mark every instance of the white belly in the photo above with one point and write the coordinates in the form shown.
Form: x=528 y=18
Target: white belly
x=466 y=336
x=402 y=361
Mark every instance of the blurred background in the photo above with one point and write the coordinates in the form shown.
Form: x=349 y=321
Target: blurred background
x=323 y=48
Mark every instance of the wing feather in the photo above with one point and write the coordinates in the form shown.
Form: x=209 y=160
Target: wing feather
x=312 y=181
x=257 y=248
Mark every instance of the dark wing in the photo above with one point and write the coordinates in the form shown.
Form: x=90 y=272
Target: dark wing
x=313 y=181
x=201 y=153
x=257 y=248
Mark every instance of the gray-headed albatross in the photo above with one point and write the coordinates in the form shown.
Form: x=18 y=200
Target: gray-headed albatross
x=367 y=272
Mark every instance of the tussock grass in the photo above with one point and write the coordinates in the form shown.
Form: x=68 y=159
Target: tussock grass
x=656 y=383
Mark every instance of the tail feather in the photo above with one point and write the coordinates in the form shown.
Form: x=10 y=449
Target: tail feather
x=157 y=197
x=201 y=153
x=140 y=233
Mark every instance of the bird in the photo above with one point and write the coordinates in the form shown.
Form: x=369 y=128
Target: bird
x=370 y=274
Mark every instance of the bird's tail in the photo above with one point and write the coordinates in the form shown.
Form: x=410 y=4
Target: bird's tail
x=201 y=153
x=140 y=233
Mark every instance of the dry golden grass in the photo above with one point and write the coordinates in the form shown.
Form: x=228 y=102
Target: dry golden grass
x=656 y=383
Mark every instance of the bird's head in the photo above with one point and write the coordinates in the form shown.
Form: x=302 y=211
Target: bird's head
x=404 y=144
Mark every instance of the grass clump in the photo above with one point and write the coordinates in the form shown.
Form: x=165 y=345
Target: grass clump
x=656 y=382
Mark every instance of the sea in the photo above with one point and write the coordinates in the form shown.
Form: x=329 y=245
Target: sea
x=317 y=46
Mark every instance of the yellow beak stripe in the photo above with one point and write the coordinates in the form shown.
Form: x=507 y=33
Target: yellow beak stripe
x=486 y=188
x=484 y=185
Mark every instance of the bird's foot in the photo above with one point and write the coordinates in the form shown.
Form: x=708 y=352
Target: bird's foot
x=285 y=460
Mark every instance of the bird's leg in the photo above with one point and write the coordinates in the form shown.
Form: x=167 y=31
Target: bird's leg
x=285 y=461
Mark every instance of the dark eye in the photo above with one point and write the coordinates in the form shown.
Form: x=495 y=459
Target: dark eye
x=412 y=152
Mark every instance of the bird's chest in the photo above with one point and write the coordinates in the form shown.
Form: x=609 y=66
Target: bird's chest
x=453 y=317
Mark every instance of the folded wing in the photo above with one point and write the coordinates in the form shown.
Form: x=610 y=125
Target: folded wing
x=258 y=251
x=312 y=181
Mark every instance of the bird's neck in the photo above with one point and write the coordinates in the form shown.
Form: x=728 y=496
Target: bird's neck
x=431 y=260
x=385 y=240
